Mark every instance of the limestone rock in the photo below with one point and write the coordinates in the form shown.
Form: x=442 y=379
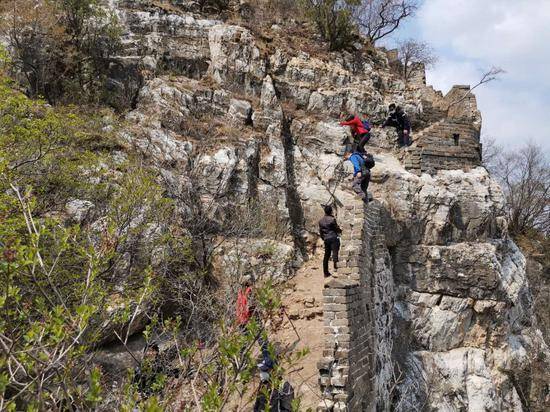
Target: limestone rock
x=77 y=209
x=240 y=111
x=325 y=406
x=451 y=301
x=234 y=56
x=261 y=259
x=271 y=114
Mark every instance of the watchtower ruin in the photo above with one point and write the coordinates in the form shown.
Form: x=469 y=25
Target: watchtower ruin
x=452 y=142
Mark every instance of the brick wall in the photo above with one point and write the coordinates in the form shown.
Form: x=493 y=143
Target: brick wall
x=356 y=367
x=435 y=148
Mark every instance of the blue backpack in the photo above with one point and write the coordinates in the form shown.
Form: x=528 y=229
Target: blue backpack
x=366 y=125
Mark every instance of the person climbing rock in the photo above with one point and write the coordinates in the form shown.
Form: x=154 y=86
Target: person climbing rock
x=399 y=119
x=245 y=309
x=361 y=173
x=329 y=232
x=360 y=131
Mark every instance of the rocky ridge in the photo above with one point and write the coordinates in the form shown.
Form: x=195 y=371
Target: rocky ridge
x=259 y=123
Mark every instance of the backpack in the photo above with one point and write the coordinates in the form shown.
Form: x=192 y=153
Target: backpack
x=369 y=160
x=366 y=125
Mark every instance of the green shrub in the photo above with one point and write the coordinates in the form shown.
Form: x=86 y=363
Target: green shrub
x=334 y=20
x=61 y=49
x=58 y=278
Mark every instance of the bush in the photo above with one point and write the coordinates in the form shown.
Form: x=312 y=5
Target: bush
x=69 y=285
x=334 y=20
x=58 y=277
x=340 y=21
x=61 y=48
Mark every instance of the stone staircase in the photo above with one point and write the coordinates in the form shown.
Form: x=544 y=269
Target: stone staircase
x=411 y=157
x=356 y=367
x=431 y=112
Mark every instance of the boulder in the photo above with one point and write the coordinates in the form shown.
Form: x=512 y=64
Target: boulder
x=262 y=259
x=240 y=111
x=78 y=209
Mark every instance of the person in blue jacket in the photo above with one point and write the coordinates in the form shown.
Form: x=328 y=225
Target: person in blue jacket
x=361 y=174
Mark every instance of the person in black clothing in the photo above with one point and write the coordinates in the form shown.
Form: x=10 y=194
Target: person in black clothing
x=329 y=231
x=151 y=367
x=399 y=119
x=271 y=399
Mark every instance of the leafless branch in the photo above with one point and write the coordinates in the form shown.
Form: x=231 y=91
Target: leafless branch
x=525 y=179
x=380 y=18
x=492 y=74
x=413 y=54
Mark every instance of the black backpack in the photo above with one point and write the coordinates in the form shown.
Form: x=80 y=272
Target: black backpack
x=369 y=160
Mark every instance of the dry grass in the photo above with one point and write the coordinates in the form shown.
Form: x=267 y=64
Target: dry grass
x=166 y=5
x=210 y=132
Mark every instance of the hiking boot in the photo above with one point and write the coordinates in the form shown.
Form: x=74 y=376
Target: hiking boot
x=327 y=275
x=335 y=265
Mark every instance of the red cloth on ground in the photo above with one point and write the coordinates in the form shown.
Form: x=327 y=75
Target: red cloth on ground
x=243 y=310
x=356 y=125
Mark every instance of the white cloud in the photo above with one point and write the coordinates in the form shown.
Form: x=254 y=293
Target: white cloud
x=473 y=35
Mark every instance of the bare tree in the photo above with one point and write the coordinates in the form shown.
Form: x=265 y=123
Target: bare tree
x=525 y=179
x=492 y=74
x=379 y=18
x=413 y=55
x=490 y=153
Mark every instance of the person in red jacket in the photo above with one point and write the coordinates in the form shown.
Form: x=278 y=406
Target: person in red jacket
x=360 y=134
x=246 y=309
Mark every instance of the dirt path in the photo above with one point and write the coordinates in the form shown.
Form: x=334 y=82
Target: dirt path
x=303 y=302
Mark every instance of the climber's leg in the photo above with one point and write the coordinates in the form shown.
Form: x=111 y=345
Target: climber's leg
x=401 y=137
x=354 y=145
x=326 y=258
x=364 y=138
x=365 y=180
x=267 y=361
x=335 y=251
x=357 y=187
x=406 y=138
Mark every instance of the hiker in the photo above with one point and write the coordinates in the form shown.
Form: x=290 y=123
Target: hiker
x=329 y=231
x=280 y=400
x=246 y=308
x=360 y=131
x=399 y=119
x=361 y=172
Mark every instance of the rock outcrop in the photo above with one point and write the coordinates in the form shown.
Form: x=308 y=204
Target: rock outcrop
x=450 y=320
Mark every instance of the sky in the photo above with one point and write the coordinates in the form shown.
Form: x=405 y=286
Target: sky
x=470 y=37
